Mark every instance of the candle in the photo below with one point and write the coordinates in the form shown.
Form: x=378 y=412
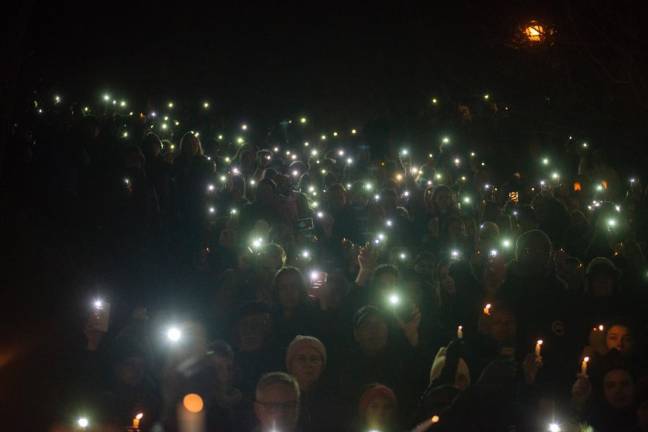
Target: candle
x=487 y=309
x=460 y=332
x=584 y=366
x=538 y=348
x=136 y=420
x=191 y=416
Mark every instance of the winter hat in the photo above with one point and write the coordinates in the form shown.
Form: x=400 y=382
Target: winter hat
x=375 y=391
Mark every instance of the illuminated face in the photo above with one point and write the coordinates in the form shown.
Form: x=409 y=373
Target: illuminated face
x=618 y=388
x=277 y=408
x=289 y=290
x=306 y=366
x=502 y=326
x=619 y=338
x=380 y=413
x=371 y=335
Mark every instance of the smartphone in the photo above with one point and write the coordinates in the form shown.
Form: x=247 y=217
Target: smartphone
x=100 y=319
x=305 y=224
x=318 y=278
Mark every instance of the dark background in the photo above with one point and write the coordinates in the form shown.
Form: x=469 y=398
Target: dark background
x=340 y=64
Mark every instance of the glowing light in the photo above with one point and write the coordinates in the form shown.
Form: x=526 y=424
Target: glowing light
x=212 y=210
x=219 y=137
x=506 y=243
x=430 y=156
x=493 y=252
x=353 y=131
x=335 y=134
x=486 y=96
x=340 y=152
x=193 y=403
x=463 y=178
x=240 y=140
x=153 y=114
x=164 y=126
x=617 y=208
x=487 y=309
x=276 y=149
x=252 y=182
x=236 y=171
x=205 y=105
x=435 y=101
x=457 y=161
x=473 y=154
x=314 y=152
x=233 y=211
x=305 y=254
x=106 y=97
x=165 y=118
x=438 y=176
x=227 y=159
x=414 y=170
x=173 y=334
x=323 y=137
x=177 y=123
x=368 y=186
x=404 y=152
x=349 y=161
x=487 y=186
x=315 y=204
x=406 y=194
x=545 y=161
x=320 y=215
x=612 y=223
x=323 y=172
x=555 y=175
x=585 y=145
x=435 y=419
x=125 y=134
x=377 y=197
x=170 y=105
x=389 y=223
x=306 y=143
x=633 y=180
x=57 y=99
x=454 y=254
x=402 y=256
x=257 y=243
x=445 y=140
x=122 y=103
x=467 y=200
x=394 y=299
x=127 y=181
x=86 y=109
x=303 y=120
x=83 y=422
x=211 y=187
x=534 y=32
x=554 y=427
x=399 y=177
x=295 y=173
x=98 y=304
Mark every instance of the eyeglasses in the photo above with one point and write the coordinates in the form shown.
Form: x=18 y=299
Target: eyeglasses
x=279 y=406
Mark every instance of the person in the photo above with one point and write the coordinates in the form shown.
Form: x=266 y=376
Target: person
x=294 y=313
x=377 y=409
x=306 y=360
x=276 y=403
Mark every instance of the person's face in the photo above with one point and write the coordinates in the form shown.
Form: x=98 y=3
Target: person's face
x=601 y=285
x=277 y=408
x=534 y=256
x=457 y=230
x=253 y=331
x=386 y=281
x=306 y=367
x=272 y=261
x=446 y=281
x=424 y=266
x=371 y=335
x=502 y=326
x=619 y=338
x=618 y=388
x=289 y=290
x=380 y=413
x=337 y=197
x=224 y=371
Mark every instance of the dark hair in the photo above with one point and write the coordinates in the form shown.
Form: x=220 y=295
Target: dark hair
x=285 y=271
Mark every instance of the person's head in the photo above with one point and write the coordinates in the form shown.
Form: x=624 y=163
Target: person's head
x=190 y=145
x=378 y=407
x=619 y=337
x=306 y=360
x=447 y=285
x=253 y=327
x=618 y=388
x=449 y=367
x=151 y=145
x=501 y=325
x=289 y=287
x=133 y=157
x=425 y=264
x=442 y=199
x=338 y=287
x=383 y=279
x=533 y=252
x=130 y=370
x=602 y=276
x=276 y=404
x=370 y=330
x=272 y=258
x=222 y=357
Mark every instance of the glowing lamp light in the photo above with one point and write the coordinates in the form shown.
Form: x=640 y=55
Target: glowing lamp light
x=534 y=32
x=125 y=134
x=320 y=215
x=295 y=173
x=314 y=152
x=205 y=105
x=633 y=180
x=240 y=140
x=153 y=114
x=430 y=156
x=314 y=275
x=127 y=181
x=368 y=186
x=394 y=299
x=493 y=253
x=457 y=161
x=122 y=103
x=236 y=171
x=435 y=101
x=414 y=171
x=233 y=212
x=545 y=161
x=83 y=422
x=402 y=256
x=486 y=96
x=257 y=243
x=306 y=143
x=466 y=200
x=303 y=120
x=506 y=243
x=454 y=254
x=399 y=177
x=585 y=145
x=164 y=126
x=323 y=137
x=463 y=178
x=487 y=309
x=305 y=254
x=473 y=154
x=406 y=194
x=210 y=187
x=404 y=152
x=376 y=197
x=353 y=131
x=252 y=182
x=212 y=210
x=349 y=161
x=335 y=134
x=554 y=427
x=193 y=403
x=57 y=99
x=173 y=334
x=555 y=175
x=445 y=140
x=438 y=176
x=389 y=223
x=86 y=109
x=340 y=152
x=611 y=223
x=106 y=97
x=98 y=304
x=170 y=105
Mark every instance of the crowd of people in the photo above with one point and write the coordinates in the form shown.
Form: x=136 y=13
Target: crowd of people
x=246 y=284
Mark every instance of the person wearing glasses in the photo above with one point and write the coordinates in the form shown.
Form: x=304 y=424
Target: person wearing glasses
x=276 y=404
